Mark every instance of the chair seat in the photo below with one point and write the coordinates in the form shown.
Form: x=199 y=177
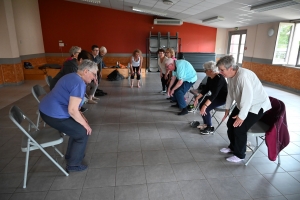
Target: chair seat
x=258 y=129
x=46 y=137
x=195 y=92
x=220 y=108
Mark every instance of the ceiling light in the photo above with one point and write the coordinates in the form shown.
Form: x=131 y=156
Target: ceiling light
x=92 y=1
x=148 y=11
x=213 y=19
x=168 y=2
x=274 y=5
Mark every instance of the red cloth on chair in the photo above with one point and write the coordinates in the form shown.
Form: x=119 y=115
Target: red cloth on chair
x=277 y=137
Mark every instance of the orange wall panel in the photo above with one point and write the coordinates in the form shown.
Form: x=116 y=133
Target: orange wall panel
x=121 y=32
x=285 y=76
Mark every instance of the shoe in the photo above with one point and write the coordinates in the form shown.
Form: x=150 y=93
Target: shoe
x=97 y=93
x=191 y=108
x=234 y=159
x=202 y=127
x=175 y=106
x=163 y=91
x=95 y=98
x=173 y=101
x=183 y=112
x=91 y=102
x=82 y=109
x=169 y=98
x=225 y=150
x=99 y=90
x=76 y=168
x=207 y=130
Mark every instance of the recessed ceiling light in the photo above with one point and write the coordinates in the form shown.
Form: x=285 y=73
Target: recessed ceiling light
x=168 y=2
x=92 y=1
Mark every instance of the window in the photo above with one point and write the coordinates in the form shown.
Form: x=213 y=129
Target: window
x=236 y=45
x=287 y=44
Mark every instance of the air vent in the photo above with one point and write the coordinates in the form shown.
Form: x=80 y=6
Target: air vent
x=173 y=22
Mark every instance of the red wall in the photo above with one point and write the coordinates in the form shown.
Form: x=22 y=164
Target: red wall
x=120 y=32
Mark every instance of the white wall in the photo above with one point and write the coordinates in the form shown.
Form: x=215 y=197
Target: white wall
x=258 y=43
x=221 y=41
x=8 y=44
x=28 y=27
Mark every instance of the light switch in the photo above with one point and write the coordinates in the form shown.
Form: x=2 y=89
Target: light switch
x=61 y=44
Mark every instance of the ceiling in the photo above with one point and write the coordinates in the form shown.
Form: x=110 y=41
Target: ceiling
x=236 y=12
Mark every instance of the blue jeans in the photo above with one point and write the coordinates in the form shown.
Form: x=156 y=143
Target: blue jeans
x=216 y=103
x=77 y=140
x=179 y=93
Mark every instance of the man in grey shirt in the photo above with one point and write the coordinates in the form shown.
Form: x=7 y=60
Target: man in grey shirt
x=252 y=102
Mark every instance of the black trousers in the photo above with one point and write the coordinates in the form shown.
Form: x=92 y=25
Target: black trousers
x=136 y=70
x=238 y=135
x=163 y=82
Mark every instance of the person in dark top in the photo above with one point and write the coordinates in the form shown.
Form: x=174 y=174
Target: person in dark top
x=217 y=84
x=71 y=66
x=98 y=54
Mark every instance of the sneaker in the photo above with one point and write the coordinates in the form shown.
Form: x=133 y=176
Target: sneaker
x=183 y=112
x=234 y=159
x=163 y=91
x=175 y=105
x=207 y=130
x=225 y=150
x=76 y=168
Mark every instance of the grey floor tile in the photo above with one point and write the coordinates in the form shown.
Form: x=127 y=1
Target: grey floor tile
x=257 y=186
x=207 y=154
x=151 y=144
x=129 y=145
x=149 y=134
x=129 y=135
x=197 y=190
x=168 y=133
x=214 y=169
x=192 y=142
x=187 y=171
x=296 y=175
x=105 y=193
x=99 y=160
x=180 y=155
x=73 y=181
x=63 y=194
x=106 y=146
x=293 y=197
x=5 y=196
x=289 y=164
x=10 y=182
x=155 y=157
x=174 y=143
x=159 y=173
x=29 y=196
x=100 y=177
x=158 y=191
x=284 y=183
x=108 y=136
x=130 y=175
x=273 y=198
x=16 y=165
x=131 y=192
x=130 y=158
x=228 y=189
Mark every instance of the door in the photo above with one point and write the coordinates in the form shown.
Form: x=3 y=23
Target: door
x=236 y=45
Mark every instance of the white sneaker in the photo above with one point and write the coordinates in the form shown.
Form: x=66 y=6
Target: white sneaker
x=225 y=150
x=163 y=91
x=234 y=159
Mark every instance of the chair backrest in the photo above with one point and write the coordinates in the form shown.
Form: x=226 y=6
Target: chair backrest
x=48 y=79
x=17 y=117
x=38 y=91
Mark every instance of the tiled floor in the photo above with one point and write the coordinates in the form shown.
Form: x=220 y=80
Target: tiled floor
x=140 y=149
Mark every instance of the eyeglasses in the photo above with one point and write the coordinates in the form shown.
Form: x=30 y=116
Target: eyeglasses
x=93 y=73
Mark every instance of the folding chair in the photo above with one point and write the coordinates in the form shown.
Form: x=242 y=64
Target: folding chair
x=38 y=91
x=258 y=130
x=35 y=138
x=221 y=109
x=196 y=92
x=48 y=79
x=272 y=129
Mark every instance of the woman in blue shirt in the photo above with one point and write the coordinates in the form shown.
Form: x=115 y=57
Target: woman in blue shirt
x=60 y=110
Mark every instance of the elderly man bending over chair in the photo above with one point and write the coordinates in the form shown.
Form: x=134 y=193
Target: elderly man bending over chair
x=186 y=75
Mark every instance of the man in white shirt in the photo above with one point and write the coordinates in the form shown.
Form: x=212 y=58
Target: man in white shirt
x=252 y=101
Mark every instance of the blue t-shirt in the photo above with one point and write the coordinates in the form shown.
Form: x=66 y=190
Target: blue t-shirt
x=185 y=71
x=55 y=103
